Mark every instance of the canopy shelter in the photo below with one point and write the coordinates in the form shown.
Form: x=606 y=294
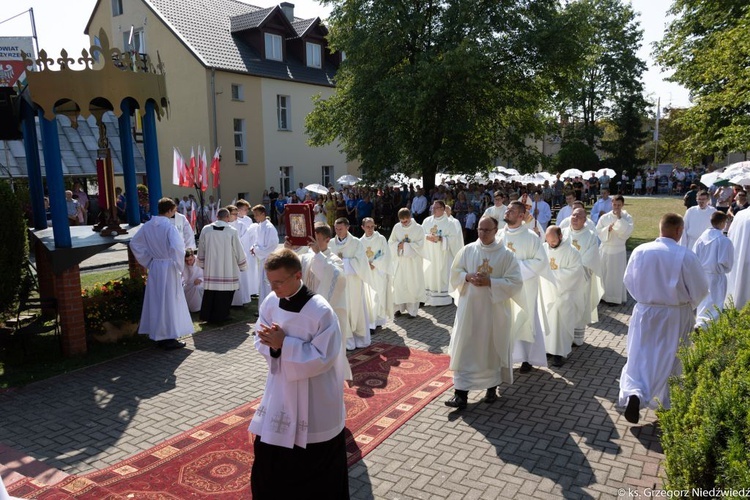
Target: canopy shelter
x=111 y=80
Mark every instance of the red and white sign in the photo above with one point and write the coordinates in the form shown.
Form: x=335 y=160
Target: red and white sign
x=12 y=65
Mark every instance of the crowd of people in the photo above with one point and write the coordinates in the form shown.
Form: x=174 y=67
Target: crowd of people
x=527 y=276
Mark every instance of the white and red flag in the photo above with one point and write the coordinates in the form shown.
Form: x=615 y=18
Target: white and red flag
x=204 y=171
x=215 y=167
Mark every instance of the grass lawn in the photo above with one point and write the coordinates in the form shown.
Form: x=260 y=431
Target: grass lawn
x=39 y=357
x=646 y=213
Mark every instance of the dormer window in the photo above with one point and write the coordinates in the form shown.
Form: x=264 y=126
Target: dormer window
x=313 y=55
x=273 y=47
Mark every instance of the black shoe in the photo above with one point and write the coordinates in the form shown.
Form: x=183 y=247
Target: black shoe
x=457 y=401
x=397 y=314
x=525 y=367
x=633 y=410
x=557 y=361
x=490 y=396
x=171 y=344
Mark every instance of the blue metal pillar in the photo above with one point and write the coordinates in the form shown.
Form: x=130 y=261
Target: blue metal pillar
x=55 y=182
x=33 y=166
x=151 y=146
x=128 y=165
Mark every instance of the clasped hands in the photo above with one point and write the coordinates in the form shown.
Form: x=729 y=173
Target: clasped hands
x=434 y=239
x=478 y=279
x=271 y=336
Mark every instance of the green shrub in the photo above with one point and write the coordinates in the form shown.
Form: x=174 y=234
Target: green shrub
x=15 y=248
x=114 y=301
x=706 y=433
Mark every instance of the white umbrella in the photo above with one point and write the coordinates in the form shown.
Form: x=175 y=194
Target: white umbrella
x=608 y=171
x=317 y=188
x=512 y=171
x=571 y=172
x=737 y=167
x=741 y=179
x=348 y=180
x=588 y=173
x=709 y=178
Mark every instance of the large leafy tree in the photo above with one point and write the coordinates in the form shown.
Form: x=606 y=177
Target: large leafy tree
x=629 y=134
x=708 y=47
x=431 y=85
x=607 y=83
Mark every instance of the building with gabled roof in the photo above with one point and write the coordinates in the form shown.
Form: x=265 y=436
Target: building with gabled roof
x=238 y=76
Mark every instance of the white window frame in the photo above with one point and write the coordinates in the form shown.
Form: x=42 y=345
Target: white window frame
x=274 y=48
x=285 y=180
x=238 y=92
x=238 y=126
x=326 y=175
x=116 y=8
x=139 y=40
x=283 y=112
x=313 y=51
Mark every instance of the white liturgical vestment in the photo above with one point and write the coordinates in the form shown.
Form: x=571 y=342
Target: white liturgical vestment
x=498 y=213
x=738 y=279
x=381 y=277
x=697 y=220
x=613 y=254
x=266 y=241
x=438 y=257
x=716 y=254
x=358 y=290
x=408 y=270
x=587 y=244
x=668 y=282
x=481 y=342
x=193 y=292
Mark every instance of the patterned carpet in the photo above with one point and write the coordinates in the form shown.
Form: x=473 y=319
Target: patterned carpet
x=391 y=384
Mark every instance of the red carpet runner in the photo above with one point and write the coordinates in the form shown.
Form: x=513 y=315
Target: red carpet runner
x=391 y=384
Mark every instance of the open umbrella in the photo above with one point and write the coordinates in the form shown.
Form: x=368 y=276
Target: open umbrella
x=317 y=188
x=588 y=173
x=710 y=178
x=348 y=180
x=571 y=172
x=608 y=171
x=741 y=179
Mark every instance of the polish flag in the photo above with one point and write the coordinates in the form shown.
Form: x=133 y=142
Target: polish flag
x=215 y=167
x=190 y=177
x=192 y=215
x=177 y=168
x=204 y=171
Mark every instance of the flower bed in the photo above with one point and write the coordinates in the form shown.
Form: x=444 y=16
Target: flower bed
x=115 y=302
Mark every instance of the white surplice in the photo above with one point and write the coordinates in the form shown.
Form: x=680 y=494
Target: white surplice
x=497 y=213
x=738 y=279
x=303 y=401
x=408 y=270
x=481 y=341
x=528 y=335
x=193 y=292
x=438 y=257
x=243 y=294
x=613 y=254
x=358 y=291
x=160 y=248
x=186 y=231
x=221 y=256
x=668 y=282
x=381 y=278
x=716 y=254
x=587 y=244
x=266 y=241
x=697 y=220
x=563 y=297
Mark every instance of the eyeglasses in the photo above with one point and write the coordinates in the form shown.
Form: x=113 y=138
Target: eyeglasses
x=281 y=282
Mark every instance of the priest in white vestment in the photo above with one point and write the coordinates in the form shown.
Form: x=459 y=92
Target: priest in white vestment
x=585 y=241
x=239 y=221
x=497 y=211
x=562 y=295
x=266 y=241
x=486 y=276
x=697 y=220
x=738 y=279
x=300 y=419
x=407 y=247
x=668 y=283
x=381 y=273
x=358 y=291
x=614 y=229
x=442 y=242
x=565 y=223
x=529 y=348
x=192 y=282
x=159 y=248
x=186 y=231
x=716 y=254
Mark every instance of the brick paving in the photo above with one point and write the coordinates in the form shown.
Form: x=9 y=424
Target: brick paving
x=555 y=433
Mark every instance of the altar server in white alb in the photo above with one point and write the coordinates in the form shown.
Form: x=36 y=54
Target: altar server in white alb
x=602 y=206
x=192 y=282
x=407 y=246
x=443 y=240
x=299 y=444
x=585 y=241
x=242 y=296
x=529 y=349
x=614 y=229
x=159 y=248
x=716 y=254
x=697 y=220
x=562 y=295
x=358 y=291
x=183 y=227
x=266 y=241
x=486 y=276
x=738 y=291
x=497 y=211
x=381 y=273
x=668 y=283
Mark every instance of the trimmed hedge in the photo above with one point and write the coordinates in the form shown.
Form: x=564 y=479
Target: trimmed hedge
x=15 y=248
x=706 y=433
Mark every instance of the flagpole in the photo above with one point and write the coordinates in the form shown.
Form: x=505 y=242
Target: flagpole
x=656 y=132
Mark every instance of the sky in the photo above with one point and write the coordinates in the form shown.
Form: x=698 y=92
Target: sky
x=61 y=23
